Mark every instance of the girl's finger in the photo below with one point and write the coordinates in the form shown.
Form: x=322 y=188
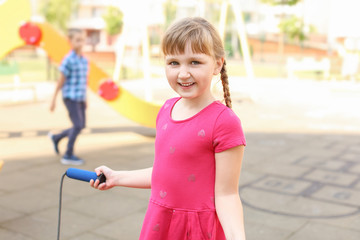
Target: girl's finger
x=92 y=183
x=96 y=183
x=102 y=186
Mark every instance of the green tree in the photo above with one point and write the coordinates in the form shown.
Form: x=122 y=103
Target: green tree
x=169 y=11
x=294 y=29
x=114 y=25
x=281 y=2
x=291 y=26
x=58 y=12
x=114 y=21
x=283 y=26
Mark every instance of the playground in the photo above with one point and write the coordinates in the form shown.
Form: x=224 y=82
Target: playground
x=289 y=147
x=301 y=173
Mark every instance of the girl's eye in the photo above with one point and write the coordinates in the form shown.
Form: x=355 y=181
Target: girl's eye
x=195 y=62
x=173 y=63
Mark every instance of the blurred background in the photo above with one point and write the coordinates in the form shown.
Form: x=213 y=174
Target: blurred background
x=293 y=68
x=296 y=39
x=280 y=52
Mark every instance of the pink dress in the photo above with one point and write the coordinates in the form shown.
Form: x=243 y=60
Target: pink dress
x=182 y=202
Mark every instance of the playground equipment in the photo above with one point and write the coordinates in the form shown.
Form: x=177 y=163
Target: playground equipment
x=241 y=32
x=17 y=31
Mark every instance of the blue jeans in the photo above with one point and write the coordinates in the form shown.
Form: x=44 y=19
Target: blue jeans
x=76 y=112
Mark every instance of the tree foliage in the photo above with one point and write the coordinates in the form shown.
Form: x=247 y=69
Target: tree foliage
x=294 y=28
x=291 y=26
x=169 y=11
x=281 y=2
x=114 y=20
x=58 y=12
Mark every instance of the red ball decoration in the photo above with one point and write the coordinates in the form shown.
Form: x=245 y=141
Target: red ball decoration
x=30 y=33
x=108 y=90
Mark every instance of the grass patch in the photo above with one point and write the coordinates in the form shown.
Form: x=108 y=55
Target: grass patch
x=29 y=69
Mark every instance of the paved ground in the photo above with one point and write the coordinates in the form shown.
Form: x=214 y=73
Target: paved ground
x=300 y=177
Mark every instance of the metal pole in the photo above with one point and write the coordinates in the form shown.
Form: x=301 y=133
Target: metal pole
x=243 y=39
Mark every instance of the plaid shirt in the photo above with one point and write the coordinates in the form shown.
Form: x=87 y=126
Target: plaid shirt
x=75 y=70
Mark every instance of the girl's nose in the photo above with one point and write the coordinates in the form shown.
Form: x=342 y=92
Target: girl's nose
x=184 y=73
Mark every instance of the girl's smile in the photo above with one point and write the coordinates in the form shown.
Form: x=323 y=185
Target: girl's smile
x=190 y=74
x=186 y=85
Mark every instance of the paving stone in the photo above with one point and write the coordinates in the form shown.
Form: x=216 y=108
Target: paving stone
x=12 y=235
x=26 y=178
x=282 y=185
x=354 y=149
x=268 y=219
x=12 y=166
x=342 y=179
x=323 y=231
x=281 y=170
x=33 y=226
x=260 y=231
x=321 y=152
x=351 y=156
x=115 y=206
x=333 y=165
x=322 y=163
x=91 y=236
x=293 y=206
x=30 y=200
x=355 y=169
x=287 y=158
x=7 y=214
x=52 y=171
x=126 y=227
x=248 y=177
x=351 y=222
x=43 y=225
x=340 y=195
x=357 y=185
x=72 y=189
x=23 y=150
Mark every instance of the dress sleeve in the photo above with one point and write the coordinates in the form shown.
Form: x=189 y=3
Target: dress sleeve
x=228 y=132
x=65 y=67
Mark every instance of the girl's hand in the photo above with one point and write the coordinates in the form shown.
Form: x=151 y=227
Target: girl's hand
x=110 y=175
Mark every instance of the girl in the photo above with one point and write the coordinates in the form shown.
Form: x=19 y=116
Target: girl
x=199 y=146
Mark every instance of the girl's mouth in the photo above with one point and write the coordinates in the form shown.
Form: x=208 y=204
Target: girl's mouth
x=186 y=84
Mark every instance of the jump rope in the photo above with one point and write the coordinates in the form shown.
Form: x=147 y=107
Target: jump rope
x=78 y=174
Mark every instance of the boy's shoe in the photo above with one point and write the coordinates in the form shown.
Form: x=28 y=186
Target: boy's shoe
x=71 y=160
x=55 y=143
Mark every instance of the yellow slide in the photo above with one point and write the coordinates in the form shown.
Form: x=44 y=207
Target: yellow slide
x=11 y=17
x=15 y=32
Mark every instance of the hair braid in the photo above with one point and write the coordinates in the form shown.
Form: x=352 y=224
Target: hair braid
x=225 y=83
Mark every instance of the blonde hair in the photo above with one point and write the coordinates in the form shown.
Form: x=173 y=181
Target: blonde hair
x=203 y=38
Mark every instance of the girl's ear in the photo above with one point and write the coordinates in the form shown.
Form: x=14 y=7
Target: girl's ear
x=218 y=65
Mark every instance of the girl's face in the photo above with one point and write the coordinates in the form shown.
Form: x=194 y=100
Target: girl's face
x=190 y=74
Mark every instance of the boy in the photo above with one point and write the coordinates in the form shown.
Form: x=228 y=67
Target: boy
x=73 y=82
